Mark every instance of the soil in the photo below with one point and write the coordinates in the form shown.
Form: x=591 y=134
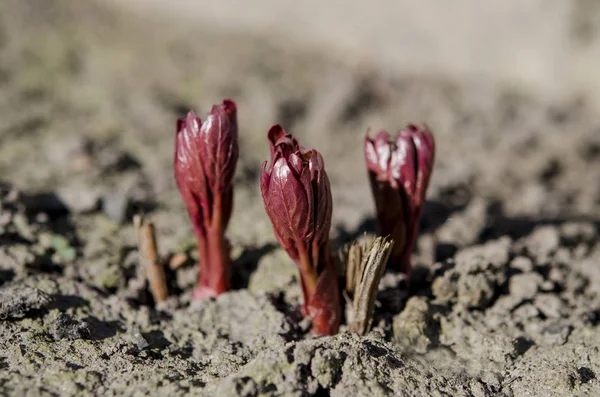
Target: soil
x=505 y=297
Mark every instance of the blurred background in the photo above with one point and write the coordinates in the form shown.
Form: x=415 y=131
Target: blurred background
x=545 y=45
x=90 y=91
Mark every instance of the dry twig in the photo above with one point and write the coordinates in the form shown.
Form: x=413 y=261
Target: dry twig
x=149 y=259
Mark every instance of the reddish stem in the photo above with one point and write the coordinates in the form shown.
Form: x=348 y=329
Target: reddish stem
x=404 y=261
x=307 y=269
x=324 y=306
x=321 y=293
x=213 y=262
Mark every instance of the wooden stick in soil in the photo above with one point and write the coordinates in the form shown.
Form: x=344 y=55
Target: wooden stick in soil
x=366 y=279
x=149 y=259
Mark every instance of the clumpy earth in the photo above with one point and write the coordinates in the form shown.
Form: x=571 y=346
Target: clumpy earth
x=504 y=297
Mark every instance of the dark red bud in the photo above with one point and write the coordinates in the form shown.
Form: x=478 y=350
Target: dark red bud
x=399 y=169
x=297 y=197
x=296 y=190
x=205 y=159
x=286 y=204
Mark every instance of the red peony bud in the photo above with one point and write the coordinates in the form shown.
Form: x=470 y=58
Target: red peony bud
x=297 y=196
x=205 y=158
x=399 y=171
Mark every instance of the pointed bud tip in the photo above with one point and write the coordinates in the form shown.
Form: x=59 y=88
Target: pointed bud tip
x=179 y=125
x=182 y=122
x=230 y=106
x=191 y=116
x=275 y=133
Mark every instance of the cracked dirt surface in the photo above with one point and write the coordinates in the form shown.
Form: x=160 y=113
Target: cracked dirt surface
x=506 y=298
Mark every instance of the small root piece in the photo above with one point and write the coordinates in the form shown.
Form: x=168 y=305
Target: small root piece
x=177 y=261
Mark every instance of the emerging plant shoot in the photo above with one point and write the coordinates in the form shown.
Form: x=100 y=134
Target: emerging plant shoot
x=399 y=170
x=205 y=159
x=297 y=197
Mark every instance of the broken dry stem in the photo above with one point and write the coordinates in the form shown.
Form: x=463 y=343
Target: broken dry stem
x=352 y=256
x=149 y=259
x=365 y=277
